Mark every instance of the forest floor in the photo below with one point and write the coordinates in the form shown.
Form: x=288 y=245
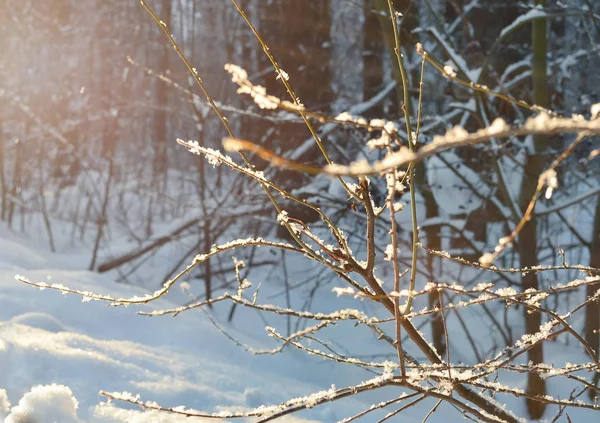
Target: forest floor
x=48 y=338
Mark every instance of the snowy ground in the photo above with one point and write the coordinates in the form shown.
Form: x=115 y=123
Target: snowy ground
x=57 y=353
x=49 y=338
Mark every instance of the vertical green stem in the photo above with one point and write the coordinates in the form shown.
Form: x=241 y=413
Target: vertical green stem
x=412 y=145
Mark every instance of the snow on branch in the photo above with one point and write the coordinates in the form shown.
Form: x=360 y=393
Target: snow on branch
x=542 y=124
x=266 y=413
x=216 y=249
x=434 y=374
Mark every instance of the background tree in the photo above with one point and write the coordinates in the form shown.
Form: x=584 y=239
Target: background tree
x=77 y=136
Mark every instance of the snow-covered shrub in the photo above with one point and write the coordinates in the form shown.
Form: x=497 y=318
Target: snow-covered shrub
x=395 y=264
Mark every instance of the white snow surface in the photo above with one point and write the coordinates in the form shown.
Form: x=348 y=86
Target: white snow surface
x=4 y=404
x=57 y=353
x=54 y=403
x=456 y=187
x=535 y=13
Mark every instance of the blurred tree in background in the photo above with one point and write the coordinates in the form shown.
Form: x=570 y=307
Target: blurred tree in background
x=93 y=99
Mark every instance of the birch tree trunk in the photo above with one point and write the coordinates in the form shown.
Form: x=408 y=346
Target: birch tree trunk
x=347 y=47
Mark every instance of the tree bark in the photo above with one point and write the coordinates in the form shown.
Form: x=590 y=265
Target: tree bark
x=347 y=47
x=592 y=310
x=534 y=166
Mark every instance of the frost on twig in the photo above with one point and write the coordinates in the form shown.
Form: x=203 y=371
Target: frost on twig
x=543 y=124
x=216 y=249
x=258 y=93
x=364 y=276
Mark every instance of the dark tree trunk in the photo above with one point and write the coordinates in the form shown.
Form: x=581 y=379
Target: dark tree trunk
x=433 y=242
x=528 y=236
x=160 y=118
x=592 y=310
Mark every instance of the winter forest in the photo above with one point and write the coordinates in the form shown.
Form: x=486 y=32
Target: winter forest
x=299 y=211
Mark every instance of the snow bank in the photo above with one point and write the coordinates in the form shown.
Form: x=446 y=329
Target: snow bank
x=45 y=403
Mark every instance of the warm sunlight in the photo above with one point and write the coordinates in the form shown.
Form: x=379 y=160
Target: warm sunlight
x=324 y=211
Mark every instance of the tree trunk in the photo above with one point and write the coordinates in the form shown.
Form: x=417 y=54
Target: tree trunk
x=347 y=46
x=160 y=117
x=528 y=236
x=434 y=242
x=592 y=310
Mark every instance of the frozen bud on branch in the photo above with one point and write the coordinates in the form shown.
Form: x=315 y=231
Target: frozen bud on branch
x=449 y=72
x=389 y=252
x=283 y=217
x=486 y=260
x=420 y=50
x=283 y=75
x=238 y=74
x=550 y=179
